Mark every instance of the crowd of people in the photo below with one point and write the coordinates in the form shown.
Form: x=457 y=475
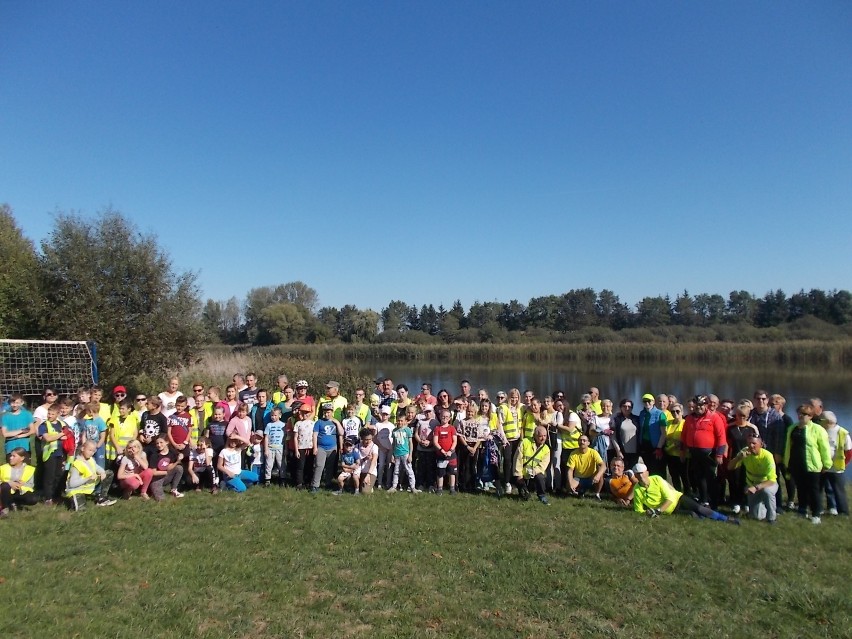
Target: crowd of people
x=711 y=458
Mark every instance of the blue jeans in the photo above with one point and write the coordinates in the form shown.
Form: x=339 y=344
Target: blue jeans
x=239 y=482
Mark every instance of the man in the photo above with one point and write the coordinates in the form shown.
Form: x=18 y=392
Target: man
x=652 y=435
x=278 y=396
x=239 y=382
x=586 y=470
x=772 y=429
x=466 y=390
x=761 y=479
x=704 y=437
x=332 y=396
x=389 y=398
x=362 y=410
x=530 y=465
x=327 y=440
x=248 y=395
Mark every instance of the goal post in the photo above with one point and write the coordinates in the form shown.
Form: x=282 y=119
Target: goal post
x=27 y=366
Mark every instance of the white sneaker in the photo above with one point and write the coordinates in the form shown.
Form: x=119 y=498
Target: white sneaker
x=745 y=509
x=391 y=490
x=177 y=494
x=832 y=511
x=508 y=489
x=105 y=502
x=816 y=520
x=736 y=509
x=791 y=505
x=416 y=491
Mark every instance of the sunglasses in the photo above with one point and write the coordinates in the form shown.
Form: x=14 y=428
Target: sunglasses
x=141 y=399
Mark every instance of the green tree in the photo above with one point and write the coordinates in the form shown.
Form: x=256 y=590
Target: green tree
x=21 y=298
x=107 y=282
x=283 y=322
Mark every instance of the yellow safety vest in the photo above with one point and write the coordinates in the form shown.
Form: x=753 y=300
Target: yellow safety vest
x=86 y=468
x=124 y=433
x=510 y=426
x=50 y=447
x=26 y=476
x=839 y=461
x=528 y=420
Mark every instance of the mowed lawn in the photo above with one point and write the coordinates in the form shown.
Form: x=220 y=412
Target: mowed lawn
x=281 y=563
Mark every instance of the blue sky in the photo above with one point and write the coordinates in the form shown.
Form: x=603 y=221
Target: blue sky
x=428 y=151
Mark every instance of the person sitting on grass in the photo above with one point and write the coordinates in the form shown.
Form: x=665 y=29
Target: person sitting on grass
x=167 y=466
x=350 y=462
x=586 y=470
x=761 y=479
x=531 y=462
x=201 y=468
x=17 y=480
x=619 y=484
x=655 y=496
x=133 y=471
x=86 y=477
x=230 y=466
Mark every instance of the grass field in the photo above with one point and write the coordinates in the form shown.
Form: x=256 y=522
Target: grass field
x=281 y=563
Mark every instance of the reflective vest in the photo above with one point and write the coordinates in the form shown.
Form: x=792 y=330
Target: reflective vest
x=571 y=441
x=87 y=468
x=528 y=420
x=510 y=426
x=125 y=432
x=26 y=476
x=50 y=447
x=839 y=461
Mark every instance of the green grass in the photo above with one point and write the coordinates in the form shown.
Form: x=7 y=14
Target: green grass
x=277 y=563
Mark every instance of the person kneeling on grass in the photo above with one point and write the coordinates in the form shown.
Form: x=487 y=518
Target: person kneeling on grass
x=531 y=462
x=87 y=478
x=654 y=495
x=350 y=461
x=761 y=480
x=230 y=467
x=17 y=482
x=620 y=486
x=586 y=470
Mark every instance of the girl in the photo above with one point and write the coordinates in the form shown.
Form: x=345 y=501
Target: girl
x=239 y=426
x=202 y=471
x=122 y=430
x=133 y=471
x=16 y=482
x=230 y=467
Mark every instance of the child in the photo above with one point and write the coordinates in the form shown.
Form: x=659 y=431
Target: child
x=179 y=427
x=256 y=465
x=352 y=425
x=215 y=430
x=167 y=468
x=121 y=430
x=303 y=433
x=230 y=467
x=153 y=424
x=424 y=466
x=369 y=454
x=50 y=432
x=16 y=424
x=239 y=426
x=202 y=472
x=17 y=480
x=401 y=437
x=87 y=477
x=444 y=439
x=383 y=430
x=273 y=441
x=94 y=430
x=133 y=471
x=350 y=461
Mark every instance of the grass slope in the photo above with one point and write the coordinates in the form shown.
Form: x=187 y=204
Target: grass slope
x=280 y=563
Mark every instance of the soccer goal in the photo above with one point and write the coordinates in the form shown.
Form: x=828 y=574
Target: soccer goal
x=27 y=366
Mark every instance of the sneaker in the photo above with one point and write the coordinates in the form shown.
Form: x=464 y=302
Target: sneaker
x=816 y=520
x=543 y=499
x=391 y=490
x=214 y=491
x=771 y=522
x=145 y=497
x=734 y=521
x=598 y=497
x=745 y=509
x=49 y=502
x=176 y=494
x=417 y=491
x=508 y=489
x=4 y=512
x=267 y=484
x=832 y=511
x=736 y=509
x=337 y=492
x=314 y=490
x=439 y=491
x=453 y=491
x=791 y=505
x=105 y=502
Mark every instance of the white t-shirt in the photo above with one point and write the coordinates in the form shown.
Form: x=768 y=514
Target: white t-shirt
x=168 y=400
x=603 y=424
x=383 y=435
x=628 y=436
x=231 y=460
x=368 y=465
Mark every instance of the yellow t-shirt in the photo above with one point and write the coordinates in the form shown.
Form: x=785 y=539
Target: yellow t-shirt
x=585 y=465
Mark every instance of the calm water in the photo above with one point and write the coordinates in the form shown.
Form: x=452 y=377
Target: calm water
x=630 y=381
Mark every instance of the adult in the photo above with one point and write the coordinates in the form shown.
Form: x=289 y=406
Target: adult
x=652 y=435
x=278 y=395
x=169 y=396
x=626 y=428
x=404 y=400
x=779 y=402
x=586 y=470
x=769 y=422
x=674 y=464
x=466 y=390
x=594 y=394
x=248 y=395
x=426 y=393
x=739 y=435
x=424 y=452
x=704 y=439
x=840 y=451
x=302 y=395
x=530 y=465
x=806 y=456
x=509 y=416
x=588 y=415
x=571 y=431
x=332 y=396
x=654 y=495
x=239 y=382
x=49 y=397
x=761 y=479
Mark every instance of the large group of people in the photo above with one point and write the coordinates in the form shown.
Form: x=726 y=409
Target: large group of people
x=711 y=458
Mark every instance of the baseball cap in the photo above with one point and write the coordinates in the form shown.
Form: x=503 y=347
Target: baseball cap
x=648 y=396
x=119 y=389
x=640 y=468
x=385 y=410
x=333 y=385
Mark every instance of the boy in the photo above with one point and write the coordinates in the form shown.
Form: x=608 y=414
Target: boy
x=94 y=430
x=52 y=455
x=382 y=437
x=17 y=482
x=327 y=437
x=86 y=477
x=401 y=437
x=167 y=468
x=179 y=426
x=153 y=424
x=444 y=439
x=350 y=461
x=352 y=424
x=273 y=442
x=16 y=425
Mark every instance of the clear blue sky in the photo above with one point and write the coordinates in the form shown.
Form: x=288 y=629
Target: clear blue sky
x=428 y=151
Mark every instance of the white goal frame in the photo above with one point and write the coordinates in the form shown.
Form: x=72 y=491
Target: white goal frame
x=27 y=366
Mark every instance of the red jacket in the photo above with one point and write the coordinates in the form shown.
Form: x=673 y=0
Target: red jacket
x=705 y=431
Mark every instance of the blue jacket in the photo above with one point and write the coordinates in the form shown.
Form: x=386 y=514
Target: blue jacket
x=651 y=422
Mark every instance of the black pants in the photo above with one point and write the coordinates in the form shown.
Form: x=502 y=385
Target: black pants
x=809 y=494
x=702 y=475
x=677 y=472
x=537 y=483
x=304 y=462
x=7 y=497
x=509 y=459
x=52 y=471
x=737 y=482
x=424 y=468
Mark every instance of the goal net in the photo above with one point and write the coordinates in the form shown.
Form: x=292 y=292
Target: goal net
x=27 y=366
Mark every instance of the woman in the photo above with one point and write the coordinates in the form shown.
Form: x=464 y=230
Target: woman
x=168 y=396
x=404 y=400
x=443 y=401
x=554 y=442
x=738 y=435
x=509 y=416
x=672 y=447
x=806 y=456
x=601 y=434
x=776 y=447
x=626 y=429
